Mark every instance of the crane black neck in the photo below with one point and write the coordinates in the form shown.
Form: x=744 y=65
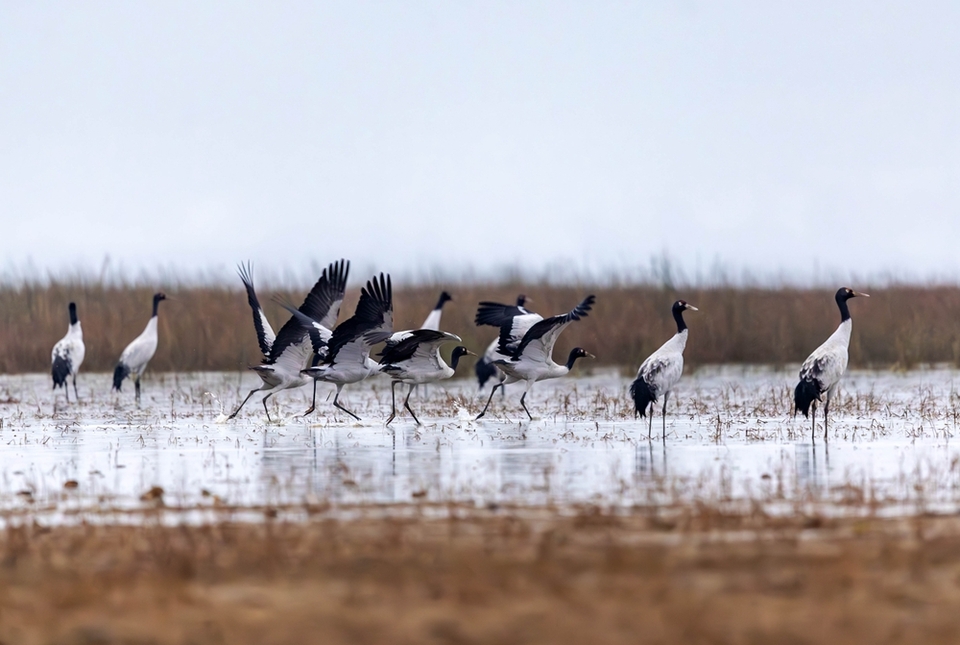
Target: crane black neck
x=156 y=305
x=73 y=314
x=458 y=352
x=444 y=298
x=844 y=311
x=574 y=355
x=678 y=316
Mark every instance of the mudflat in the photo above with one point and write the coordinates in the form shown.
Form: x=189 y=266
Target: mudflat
x=464 y=575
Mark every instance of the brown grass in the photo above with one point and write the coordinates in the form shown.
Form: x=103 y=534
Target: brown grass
x=210 y=328
x=697 y=576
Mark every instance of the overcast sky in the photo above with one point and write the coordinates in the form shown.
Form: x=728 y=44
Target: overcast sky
x=794 y=139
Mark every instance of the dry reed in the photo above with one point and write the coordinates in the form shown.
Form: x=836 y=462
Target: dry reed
x=209 y=328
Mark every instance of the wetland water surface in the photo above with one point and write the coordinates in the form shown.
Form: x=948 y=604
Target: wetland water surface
x=730 y=439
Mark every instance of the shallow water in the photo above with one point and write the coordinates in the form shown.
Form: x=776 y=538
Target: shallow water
x=730 y=437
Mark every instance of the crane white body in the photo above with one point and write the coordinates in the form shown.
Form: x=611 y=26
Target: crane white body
x=141 y=349
x=663 y=368
x=828 y=363
x=67 y=355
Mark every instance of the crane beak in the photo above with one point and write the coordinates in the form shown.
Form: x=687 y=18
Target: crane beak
x=692 y=308
x=589 y=355
x=865 y=295
x=469 y=353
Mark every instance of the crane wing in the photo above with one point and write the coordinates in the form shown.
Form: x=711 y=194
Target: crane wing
x=661 y=373
x=139 y=352
x=265 y=333
x=419 y=345
x=319 y=335
x=323 y=302
x=373 y=318
x=824 y=368
x=539 y=339
x=512 y=332
x=495 y=314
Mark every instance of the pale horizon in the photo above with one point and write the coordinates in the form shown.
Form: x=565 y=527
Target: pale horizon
x=812 y=143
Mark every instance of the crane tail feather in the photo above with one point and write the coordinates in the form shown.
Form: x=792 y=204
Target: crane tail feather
x=642 y=396
x=119 y=373
x=485 y=370
x=60 y=371
x=807 y=392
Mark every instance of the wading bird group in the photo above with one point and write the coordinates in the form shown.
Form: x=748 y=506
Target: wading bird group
x=312 y=348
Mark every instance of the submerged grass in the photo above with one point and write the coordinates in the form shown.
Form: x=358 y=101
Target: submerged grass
x=209 y=328
x=476 y=576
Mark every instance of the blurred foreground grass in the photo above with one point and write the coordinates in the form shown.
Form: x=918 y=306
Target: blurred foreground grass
x=492 y=575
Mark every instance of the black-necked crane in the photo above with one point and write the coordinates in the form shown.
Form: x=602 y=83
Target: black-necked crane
x=495 y=314
x=416 y=360
x=821 y=372
x=286 y=354
x=133 y=361
x=661 y=371
x=525 y=349
x=347 y=354
x=67 y=355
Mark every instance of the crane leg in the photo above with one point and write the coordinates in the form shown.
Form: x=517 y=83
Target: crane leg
x=813 y=422
x=252 y=392
x=136 y=385
x=76 y=395
x=492 y=392
x=663 y=414
x=336 y=404
x=524 y=396
x=313 y=402
x=826 y=415
x=265 y=406
x=406 y=404
x=393 y=402
x=650 y=422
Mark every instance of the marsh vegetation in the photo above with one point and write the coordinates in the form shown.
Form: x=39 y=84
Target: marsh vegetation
x=209 y=327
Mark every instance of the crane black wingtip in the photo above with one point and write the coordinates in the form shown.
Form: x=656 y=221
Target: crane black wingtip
x=584 y=307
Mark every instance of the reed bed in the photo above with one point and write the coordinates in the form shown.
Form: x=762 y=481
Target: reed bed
x=699 y=575
x=209 y=327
